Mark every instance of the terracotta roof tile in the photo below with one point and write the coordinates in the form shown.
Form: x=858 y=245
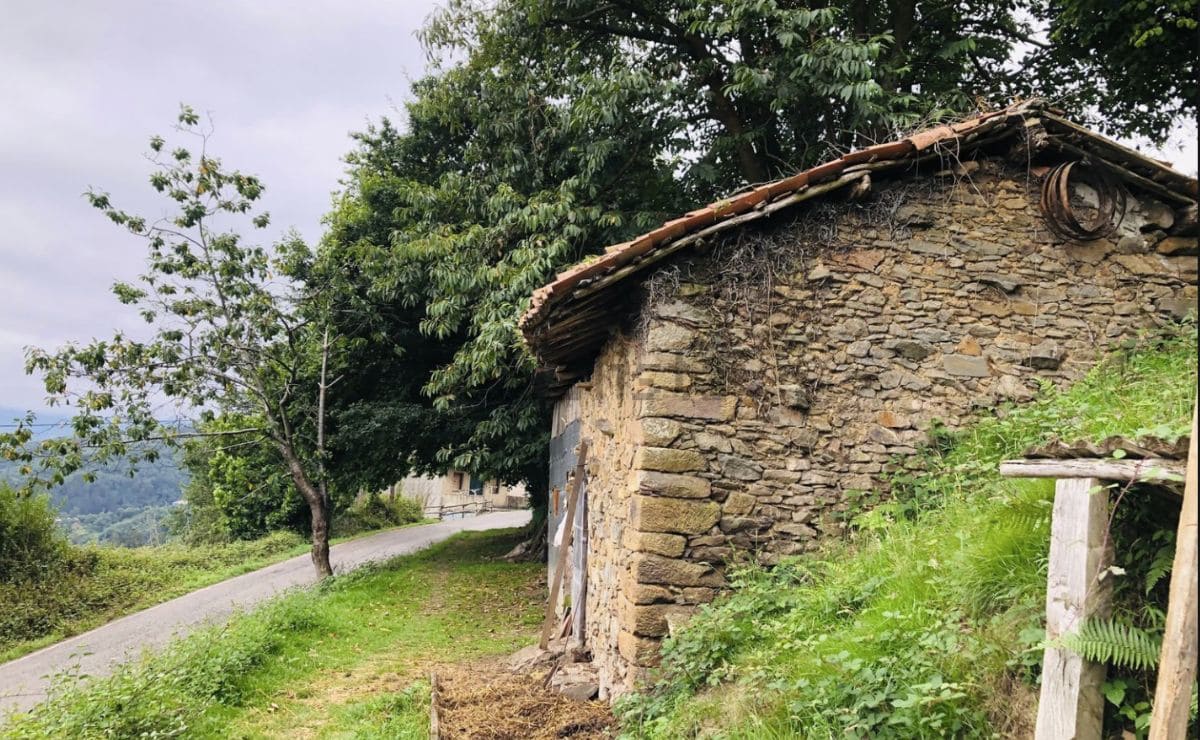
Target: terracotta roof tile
x=787 y=184
x=619 y=255
x=825 y=171
x=925 y=139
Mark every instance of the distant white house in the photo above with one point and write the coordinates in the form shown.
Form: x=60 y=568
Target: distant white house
x=457 y=488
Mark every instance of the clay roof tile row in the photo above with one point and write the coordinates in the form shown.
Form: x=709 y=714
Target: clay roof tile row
x=540 y=313
x=621 y=254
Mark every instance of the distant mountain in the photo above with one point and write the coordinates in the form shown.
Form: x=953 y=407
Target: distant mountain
x=117 y=507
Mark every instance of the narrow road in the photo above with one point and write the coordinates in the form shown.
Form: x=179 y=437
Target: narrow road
x=24 y=681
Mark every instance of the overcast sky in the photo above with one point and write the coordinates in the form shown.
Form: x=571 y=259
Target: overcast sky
x=83 y=85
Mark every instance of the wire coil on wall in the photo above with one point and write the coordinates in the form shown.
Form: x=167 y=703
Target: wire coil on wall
x=1064 y=218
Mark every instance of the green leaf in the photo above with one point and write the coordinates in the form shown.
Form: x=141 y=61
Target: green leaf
x=1114 y=691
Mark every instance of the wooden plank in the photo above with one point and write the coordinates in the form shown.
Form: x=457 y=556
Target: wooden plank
x=579 y=569
x=1153 y=470
x=556 y=578
x=1123 y=155
x=1177 y=664
x=1071 y=704
x=1120 y=172
x=434 y=720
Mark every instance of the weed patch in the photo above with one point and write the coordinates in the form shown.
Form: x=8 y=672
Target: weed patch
x=88 y=586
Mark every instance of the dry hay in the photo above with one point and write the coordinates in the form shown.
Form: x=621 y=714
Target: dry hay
x=484 y=702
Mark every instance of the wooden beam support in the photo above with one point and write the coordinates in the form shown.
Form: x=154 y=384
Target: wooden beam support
x=1177 y=665
x=435 y=732
x=1123 y=156
x=1123 y=173
x=1071 y=704
x=1152 y=470
x=556 y=578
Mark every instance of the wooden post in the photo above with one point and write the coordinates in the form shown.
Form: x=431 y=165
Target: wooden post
x=1177 y=664
x=435 y=730
x=579 y=566
x=1071 y=704
x=556 y=578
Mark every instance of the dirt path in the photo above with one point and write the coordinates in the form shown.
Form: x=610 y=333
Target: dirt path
x=24 y=682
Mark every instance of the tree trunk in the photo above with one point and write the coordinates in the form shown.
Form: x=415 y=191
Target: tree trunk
x=319 y=506
x=320 y=537
x=726 y=111
x=318 y=509
x=904 y=23
x=723 y=109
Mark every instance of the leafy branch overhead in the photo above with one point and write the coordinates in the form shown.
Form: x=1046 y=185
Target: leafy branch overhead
x=544 y=131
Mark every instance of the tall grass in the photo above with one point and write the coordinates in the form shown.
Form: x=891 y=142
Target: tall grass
x=50 y=590
x=163 y=698
x=927 y=622
x=83 y=587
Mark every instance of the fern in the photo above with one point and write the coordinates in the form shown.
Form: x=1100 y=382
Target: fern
x=1161 y=565
x=1115 y=642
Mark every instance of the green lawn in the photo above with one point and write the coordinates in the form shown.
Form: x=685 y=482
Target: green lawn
x=350 y=658
x=100 y=584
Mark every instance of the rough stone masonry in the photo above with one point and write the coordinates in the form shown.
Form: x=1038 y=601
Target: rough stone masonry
x=762 y=383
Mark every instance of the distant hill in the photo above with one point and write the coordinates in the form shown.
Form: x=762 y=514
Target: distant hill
x=116 y=507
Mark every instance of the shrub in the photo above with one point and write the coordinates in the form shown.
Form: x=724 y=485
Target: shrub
x=166 y=695
x=93 y=584
x=31 y=545
x=375 y=512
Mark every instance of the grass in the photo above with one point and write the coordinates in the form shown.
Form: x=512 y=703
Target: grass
x=927 y=622
x=99 y=584
x=347 y=659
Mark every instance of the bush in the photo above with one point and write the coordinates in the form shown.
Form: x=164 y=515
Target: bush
x=31 y=545
x=166 y=695
x=91 y=585
x=372 y=512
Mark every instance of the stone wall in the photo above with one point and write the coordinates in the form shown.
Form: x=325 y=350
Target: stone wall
x=791 y=366
x=609 y=424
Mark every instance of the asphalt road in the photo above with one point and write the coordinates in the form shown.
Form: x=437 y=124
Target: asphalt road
x=24 y=681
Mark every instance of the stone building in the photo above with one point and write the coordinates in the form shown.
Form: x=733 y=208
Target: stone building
x=741 y=371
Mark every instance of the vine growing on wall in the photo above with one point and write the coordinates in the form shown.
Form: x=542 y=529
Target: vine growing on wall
x=744 y=278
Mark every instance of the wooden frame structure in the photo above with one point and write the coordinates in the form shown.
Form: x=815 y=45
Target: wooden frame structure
x=556 y=578
x=1071 y=704
x=1177 y=664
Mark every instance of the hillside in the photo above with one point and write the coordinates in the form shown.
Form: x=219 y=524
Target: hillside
x=117 y=508
x=928 y=620
x=925 y=623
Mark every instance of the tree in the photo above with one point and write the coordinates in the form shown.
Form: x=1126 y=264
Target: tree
x=551 y=128
x=756 y=88
x=226 y=335
x=562 y=128
x=1130 y=65
x=237 y=491
x=439 y=238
